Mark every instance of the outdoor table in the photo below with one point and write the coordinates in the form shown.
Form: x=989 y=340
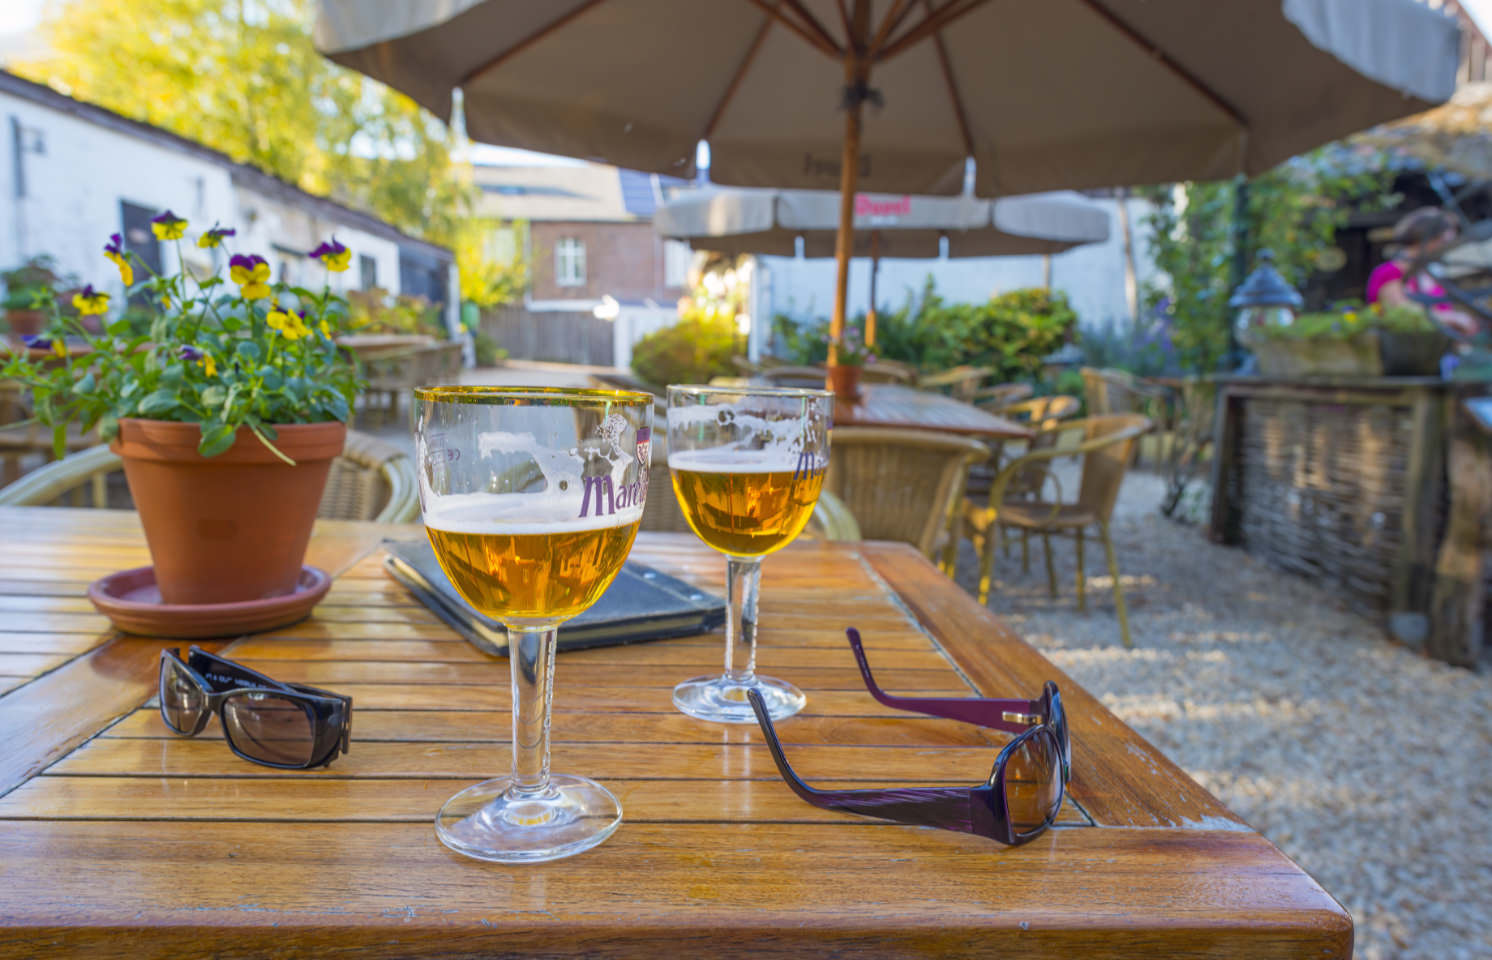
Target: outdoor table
x=894 y=405
x=123 y=839
x=367 y=346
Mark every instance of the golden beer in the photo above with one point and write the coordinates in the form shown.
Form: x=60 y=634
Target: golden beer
x=742 y=508
x=531 y=570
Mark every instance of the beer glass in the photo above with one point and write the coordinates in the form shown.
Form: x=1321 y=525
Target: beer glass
x=747 y=466
x=531 y=499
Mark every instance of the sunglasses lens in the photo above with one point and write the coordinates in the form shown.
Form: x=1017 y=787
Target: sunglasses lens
x=182 y=701
x=1033 y=782
x=269 y=728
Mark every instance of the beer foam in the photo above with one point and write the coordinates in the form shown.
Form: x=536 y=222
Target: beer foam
x=735 y=460
x=518 y=513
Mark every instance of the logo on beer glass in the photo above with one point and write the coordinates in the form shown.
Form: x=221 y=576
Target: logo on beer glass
x=810 y=464
x=600 y=494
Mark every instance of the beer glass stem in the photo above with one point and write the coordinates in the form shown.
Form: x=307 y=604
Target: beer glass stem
x=743 y=575
x=531 y=654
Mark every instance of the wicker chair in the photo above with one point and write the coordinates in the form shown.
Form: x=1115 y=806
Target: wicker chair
x=962 y=383
x=795 y=376
x=999 y=397
x=901 y=484
x=1043 y=413
x=1117 y=391
x=831 y=519
x=371 y=480
x=887 y=371
x=1107 y=449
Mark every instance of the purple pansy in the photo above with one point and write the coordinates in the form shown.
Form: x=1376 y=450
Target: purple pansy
x=189 y=352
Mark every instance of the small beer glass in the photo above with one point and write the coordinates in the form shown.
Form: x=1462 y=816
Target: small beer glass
x=747 y=466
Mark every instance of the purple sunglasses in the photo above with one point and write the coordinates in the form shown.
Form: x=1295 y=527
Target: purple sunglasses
x=1016 y=804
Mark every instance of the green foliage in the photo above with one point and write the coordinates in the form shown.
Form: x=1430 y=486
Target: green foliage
x=260 y=355
x=489 y=354
x=1293 y=210
x=693 y=350
x=1011 y=332
x=26 y=286
x=1344 y=324
x=378 y=311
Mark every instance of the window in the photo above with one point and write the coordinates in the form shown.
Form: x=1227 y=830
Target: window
x=502 y=245
x=569 y=262
x=677 y=258
x=367 y=272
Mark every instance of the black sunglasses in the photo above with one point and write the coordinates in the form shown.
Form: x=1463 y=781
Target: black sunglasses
x=1017 y=803
x=286 y=725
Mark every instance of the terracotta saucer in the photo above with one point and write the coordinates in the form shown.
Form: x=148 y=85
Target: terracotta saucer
x=132 y=601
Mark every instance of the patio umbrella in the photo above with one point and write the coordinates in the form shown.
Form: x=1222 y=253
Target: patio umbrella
x=771 y=222
x=1048 y=95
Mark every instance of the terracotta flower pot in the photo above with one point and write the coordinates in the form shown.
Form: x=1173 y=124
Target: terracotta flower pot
x=25 y=323
x=845 y=382
x=229 y=528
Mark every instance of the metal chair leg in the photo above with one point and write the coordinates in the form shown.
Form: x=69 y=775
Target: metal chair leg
x=1082 y=575
x=100 y=483
x=1108 y=547
x=1051 y=570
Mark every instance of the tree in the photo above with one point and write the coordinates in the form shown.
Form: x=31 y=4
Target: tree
x=243 y=77
x=1293 y=210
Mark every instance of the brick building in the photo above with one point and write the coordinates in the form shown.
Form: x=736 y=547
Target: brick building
x=600 y=277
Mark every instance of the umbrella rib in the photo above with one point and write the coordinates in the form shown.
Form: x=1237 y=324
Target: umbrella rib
x=740 y=74
x=953 y=95
x=894 y=17
x=933 y=22
x=1164 y=59
x=528 y=41
x=813 y=24
x=818 y=43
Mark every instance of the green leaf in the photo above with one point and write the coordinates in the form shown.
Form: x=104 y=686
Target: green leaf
x=216 y=438
x=159 y=402
x=214 y=396
x=249 y=351
x=59 y=440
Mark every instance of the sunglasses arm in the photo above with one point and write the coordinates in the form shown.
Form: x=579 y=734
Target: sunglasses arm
x=979 y=711
x=966 y=809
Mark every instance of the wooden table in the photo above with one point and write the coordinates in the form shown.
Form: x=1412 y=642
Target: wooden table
x=134 y=842
x=894 y=405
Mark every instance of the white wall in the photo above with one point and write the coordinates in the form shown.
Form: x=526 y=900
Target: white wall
x=76 y=173
x=1092 y=277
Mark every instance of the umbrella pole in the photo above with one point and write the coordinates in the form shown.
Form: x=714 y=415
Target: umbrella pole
x=856 y=72
x=875 y=270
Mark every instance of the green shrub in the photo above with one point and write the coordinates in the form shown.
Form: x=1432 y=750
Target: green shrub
x=693 y=350
x=489 y=354
x=1346 y=323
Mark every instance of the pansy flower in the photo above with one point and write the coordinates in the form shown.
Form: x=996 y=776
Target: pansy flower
x=214 y=237
x=334 y=256
x=288 y=323
x=251 y=273
x=115 y=251
x=168 y=226
x=34 y=342
x=90 y=302
x=189 y=352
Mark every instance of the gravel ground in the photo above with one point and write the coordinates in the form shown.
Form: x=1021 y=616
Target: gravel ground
x=1368 y=764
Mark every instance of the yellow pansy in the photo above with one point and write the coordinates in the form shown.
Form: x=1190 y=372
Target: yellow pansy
x=115 y=251
x=168 y=226
x=90 y=302
x=251 y=273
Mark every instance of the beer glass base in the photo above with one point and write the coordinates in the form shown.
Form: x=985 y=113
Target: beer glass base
x=489 y=823
x=722 y=700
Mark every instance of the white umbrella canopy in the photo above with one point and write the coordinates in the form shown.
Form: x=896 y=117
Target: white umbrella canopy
x=1043 y=95
x=737 y=220
x=770 y=222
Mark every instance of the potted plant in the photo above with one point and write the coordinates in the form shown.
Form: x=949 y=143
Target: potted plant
x=227 y=403
x=26 y=290
x=850 y=355
x=1358 y=341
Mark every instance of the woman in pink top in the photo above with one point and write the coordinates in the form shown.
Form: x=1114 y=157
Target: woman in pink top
x=1424 y=232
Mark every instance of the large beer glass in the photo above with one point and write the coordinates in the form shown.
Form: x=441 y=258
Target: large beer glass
x=531 y=498
x=747 y=466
